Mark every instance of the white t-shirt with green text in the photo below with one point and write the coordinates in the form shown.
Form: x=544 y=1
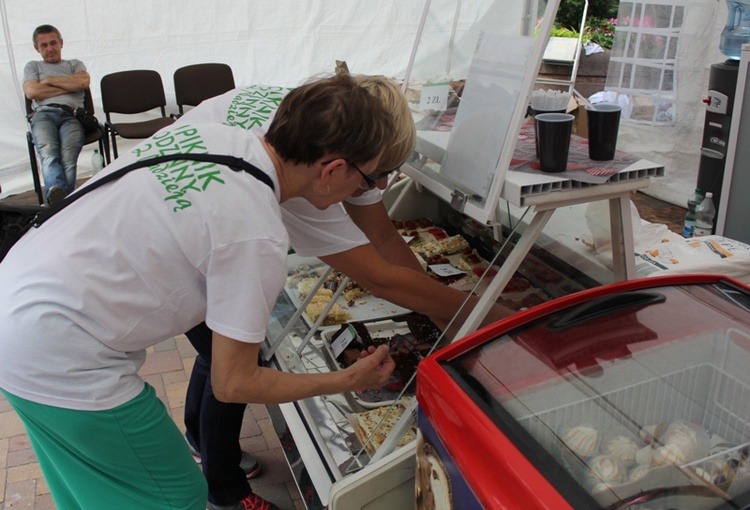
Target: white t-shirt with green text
x=312 y=232
x=138 y=261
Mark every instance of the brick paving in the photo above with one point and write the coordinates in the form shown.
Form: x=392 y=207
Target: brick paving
x=167 y=368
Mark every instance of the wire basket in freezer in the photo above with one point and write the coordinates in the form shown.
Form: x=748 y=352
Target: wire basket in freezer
x=685 y=428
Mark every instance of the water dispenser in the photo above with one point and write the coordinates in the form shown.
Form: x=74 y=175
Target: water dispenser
x=737 y=31
x=722 y=85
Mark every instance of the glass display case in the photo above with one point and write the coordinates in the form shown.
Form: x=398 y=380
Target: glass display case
x=332 y=437
x=337 y=443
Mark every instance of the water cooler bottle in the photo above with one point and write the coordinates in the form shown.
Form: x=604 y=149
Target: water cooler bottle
x=722 y=85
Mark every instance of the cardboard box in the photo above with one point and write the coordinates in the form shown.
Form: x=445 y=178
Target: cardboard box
x=581 y=123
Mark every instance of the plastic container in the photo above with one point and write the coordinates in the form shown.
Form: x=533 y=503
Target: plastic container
x=704 y=219
x=737 y=30
x=693 y=202
x=97 y=161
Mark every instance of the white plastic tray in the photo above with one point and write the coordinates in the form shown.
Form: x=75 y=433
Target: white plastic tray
x=365 y=308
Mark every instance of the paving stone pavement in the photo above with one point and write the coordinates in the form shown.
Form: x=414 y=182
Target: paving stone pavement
x=167 y=368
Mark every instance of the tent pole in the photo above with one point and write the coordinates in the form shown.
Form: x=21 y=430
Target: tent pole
x=11 y=57
x=409 y=66
x=453 y=38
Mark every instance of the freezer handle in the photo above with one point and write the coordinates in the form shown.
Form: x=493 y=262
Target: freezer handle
x=604 y=306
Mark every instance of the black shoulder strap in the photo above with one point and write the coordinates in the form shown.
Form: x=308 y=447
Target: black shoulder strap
x=235 y=163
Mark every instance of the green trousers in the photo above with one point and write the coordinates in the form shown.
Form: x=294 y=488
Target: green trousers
x=130 y=457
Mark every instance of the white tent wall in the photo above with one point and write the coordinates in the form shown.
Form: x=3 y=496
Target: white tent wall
x=286 y=41
x=678 y=147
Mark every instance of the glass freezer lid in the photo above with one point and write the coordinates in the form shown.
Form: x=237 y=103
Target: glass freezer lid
x=642 y=397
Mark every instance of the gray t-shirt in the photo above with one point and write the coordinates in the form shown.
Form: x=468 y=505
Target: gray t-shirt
x=37 y=70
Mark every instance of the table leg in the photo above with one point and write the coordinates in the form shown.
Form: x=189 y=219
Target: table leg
x=623 y=248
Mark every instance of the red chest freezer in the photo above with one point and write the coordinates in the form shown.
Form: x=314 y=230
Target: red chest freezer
x=633 y=395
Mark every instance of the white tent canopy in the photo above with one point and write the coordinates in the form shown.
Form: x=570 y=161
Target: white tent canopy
x=280 y=43
x=284 y=42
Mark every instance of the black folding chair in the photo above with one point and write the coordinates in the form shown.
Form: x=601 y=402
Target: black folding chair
x=129 y=93
x=198 y=82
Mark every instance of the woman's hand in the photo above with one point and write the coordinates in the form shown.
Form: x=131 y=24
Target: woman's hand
x=373 y=368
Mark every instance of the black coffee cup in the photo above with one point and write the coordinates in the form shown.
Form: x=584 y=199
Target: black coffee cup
x=603 y=125
x=553 y=132
x=534 y=113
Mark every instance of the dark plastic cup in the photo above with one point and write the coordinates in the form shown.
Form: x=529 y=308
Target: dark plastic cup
x=553 y=132
x=534 y=113
x=538 y=112
x=604 y=123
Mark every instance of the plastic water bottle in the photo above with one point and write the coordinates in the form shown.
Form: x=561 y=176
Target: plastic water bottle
x=97 y=161
x=704 y=220
x=737 y=30
x=693 y=202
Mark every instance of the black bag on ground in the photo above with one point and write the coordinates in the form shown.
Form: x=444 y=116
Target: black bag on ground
x=15 y=220
x=87 y=119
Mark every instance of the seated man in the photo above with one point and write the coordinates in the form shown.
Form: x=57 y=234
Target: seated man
x=55 y=87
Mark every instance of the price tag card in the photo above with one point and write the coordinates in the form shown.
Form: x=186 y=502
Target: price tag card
x=342 y=341
x=434 y=96
x=445 y=270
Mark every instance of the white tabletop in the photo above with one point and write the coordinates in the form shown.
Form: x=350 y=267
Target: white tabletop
x=522 y=189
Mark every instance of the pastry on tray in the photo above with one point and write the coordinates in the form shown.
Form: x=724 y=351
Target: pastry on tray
x=607 y=469
x=621 y=447
x=582 y=440
x=369 y=431
x=336 y=315
x=447 y=246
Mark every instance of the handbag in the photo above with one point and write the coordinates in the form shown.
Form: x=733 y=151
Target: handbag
x=87 y=119
x=15 y=221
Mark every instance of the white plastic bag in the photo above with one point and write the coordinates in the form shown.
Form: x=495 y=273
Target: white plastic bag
x=660 y=251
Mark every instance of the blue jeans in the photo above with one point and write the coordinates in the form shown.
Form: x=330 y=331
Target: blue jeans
x=58 y=137
x=214 y=427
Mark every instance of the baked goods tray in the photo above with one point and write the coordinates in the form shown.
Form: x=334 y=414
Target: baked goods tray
x=363 y=308
x=388 y=394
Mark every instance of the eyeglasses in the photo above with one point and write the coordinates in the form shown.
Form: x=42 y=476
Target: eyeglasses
x=368 y=181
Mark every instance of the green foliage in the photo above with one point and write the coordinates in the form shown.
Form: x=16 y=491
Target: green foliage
x=600 y=21
x=601 y=31
x=563 y=32
x=570 y=12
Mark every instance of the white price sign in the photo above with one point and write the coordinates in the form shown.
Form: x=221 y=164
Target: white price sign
x=445 y=270
x=341 y=341
x=434 y=96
